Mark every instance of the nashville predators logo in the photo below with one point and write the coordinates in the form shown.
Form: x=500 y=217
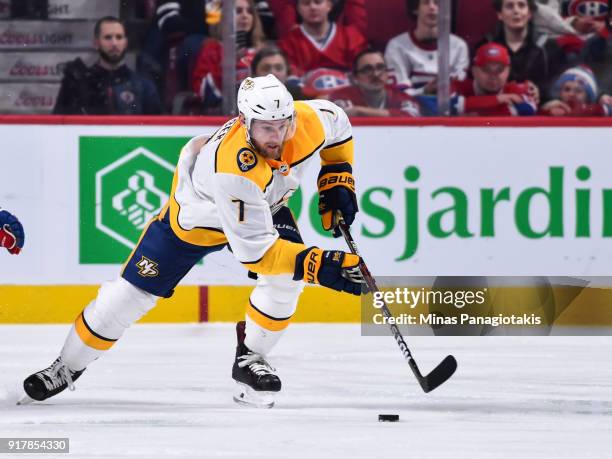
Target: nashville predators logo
x=248 y=84
x=246 y=159
x=147 y=268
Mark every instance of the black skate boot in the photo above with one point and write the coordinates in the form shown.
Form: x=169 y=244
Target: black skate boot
x=256 y=379
x=49 y=382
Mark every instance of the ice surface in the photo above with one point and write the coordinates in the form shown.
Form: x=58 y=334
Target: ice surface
x=165 y=390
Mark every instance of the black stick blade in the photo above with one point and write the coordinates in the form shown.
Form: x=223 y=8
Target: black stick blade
x=438 y=375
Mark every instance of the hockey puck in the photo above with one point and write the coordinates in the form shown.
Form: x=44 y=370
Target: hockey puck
x=388 y=417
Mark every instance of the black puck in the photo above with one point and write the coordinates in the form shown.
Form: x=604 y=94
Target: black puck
x=388 y=417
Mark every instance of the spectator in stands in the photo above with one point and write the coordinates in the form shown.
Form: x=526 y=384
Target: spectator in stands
x=267 y=18
x=344 y=12
x=583 y=17
x=586 y=16
x=413 y=56
x=207 y=74
x=369 y=94
x=535 y=59
x=320 y=43
x=490 y=93
x=172 y=44
x=271 y=59
x=575 y=94
x=578 y=26
x=109 y=87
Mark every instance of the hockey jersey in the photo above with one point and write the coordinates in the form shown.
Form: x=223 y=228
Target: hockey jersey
x=469 y=102
x=586 y=110
x=337 y=52
x=224 y=191
x=414 y=63
x=207 y=75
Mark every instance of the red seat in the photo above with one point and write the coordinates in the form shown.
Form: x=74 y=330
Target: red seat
x=474 y=19
x=386 y=19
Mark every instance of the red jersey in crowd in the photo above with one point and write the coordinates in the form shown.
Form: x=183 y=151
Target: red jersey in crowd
x=584 y=110
x=338 y=51
x=353 y=12
x=468 y=102
x=207 y=74
x=397 y=102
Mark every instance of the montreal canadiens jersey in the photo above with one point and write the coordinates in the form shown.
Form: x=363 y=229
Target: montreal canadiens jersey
x=414 y=64
x=470 y=102
x=337 y=52
x=224 y=191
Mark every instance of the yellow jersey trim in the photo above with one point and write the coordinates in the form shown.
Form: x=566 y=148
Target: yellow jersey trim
x=308 y=138
x=340 y=152
x=202 y=236
x=235 y=156
x=278 y=259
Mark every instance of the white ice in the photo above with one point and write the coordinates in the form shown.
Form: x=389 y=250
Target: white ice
x=165 y=390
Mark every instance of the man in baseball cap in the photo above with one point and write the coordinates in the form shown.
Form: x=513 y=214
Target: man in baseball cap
x=489 y=93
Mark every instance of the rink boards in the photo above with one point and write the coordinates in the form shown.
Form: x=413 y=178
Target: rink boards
x=61 y=304
x=472 y=198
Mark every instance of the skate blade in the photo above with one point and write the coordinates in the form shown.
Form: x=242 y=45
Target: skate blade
x=246 y=396
x=26 y=400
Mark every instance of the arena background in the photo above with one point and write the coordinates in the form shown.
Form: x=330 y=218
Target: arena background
x=87 y=186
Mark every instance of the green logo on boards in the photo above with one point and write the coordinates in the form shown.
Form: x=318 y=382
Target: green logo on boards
x=124 y=182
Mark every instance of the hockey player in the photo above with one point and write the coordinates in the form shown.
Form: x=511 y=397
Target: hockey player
x=231 y=190
x=12 y=236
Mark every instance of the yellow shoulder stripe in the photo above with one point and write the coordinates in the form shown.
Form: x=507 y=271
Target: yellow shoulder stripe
x=278 y=259
x=309 y=135
x=340 y=152
x=235 y=156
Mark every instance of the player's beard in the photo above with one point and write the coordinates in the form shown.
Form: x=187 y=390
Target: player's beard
x=267 y=152
x=112 y=59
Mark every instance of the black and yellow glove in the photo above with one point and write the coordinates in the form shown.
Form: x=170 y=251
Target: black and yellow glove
x=336 y=196
x=330 y=268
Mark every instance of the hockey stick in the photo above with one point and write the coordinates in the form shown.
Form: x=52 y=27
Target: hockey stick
x=438 y=375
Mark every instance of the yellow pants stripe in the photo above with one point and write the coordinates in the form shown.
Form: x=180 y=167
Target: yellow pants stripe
x=266 y=321
x=91 y=338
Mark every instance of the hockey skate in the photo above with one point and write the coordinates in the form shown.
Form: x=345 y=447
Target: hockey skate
x=256 y=380
x=49 y=382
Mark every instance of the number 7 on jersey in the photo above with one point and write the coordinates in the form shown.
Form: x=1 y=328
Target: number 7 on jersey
x=240 y=209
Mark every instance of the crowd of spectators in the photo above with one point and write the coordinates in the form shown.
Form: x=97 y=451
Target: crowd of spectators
x=538 y=58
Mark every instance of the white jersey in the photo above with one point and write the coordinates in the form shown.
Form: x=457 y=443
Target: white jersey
x=414 y=64
x=226 y=192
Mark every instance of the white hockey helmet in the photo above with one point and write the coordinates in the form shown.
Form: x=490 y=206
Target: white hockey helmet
x=264 y=98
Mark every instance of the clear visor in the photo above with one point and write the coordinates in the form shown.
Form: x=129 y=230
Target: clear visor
x=264 y=131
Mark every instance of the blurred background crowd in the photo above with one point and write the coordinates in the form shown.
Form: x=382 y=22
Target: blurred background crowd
x=374 y=58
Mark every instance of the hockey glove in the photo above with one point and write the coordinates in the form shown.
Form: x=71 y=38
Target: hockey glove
x=11 y=233
x=330 y=268
x=336 y=196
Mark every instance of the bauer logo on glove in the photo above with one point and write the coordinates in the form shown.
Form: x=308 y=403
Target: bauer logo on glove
x=330 y=268
x=336 y=196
